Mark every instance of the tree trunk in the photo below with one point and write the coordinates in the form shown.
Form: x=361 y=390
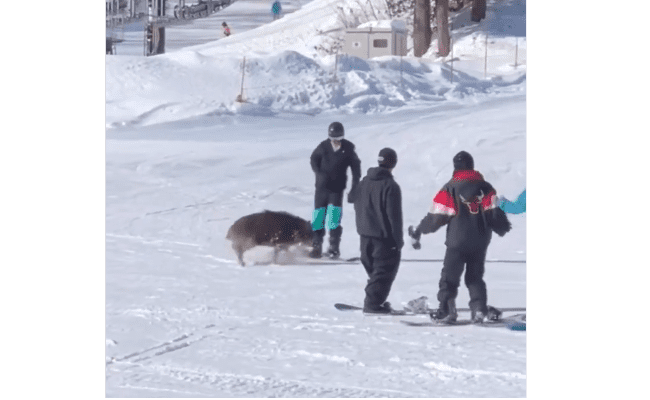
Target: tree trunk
x=478 y=10
x=421 y=27
x=442 y=23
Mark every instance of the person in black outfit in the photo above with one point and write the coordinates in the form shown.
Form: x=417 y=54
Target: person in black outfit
x=330 y=161
x=468 y=205
x=109 y=45
x=378 y=208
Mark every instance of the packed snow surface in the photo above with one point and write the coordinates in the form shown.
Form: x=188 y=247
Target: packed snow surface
x=184 y=160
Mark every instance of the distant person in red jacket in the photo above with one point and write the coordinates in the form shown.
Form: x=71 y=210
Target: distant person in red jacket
x=226 y=29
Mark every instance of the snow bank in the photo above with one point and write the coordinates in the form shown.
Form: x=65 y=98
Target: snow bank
x=283 y=73
x=190 y=84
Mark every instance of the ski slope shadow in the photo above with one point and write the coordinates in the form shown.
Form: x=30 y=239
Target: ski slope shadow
x=148 y=115
x=503 y=18
x=465 y=84
x=369 y=85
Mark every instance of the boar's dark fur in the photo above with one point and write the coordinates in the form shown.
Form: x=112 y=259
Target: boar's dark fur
x=276 y=229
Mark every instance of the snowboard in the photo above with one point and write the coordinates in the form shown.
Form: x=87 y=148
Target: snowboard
x=327 y=261
x=431 y=323
x=514 y=322
x=357 y=260
x=348 y=307
x=518 y=324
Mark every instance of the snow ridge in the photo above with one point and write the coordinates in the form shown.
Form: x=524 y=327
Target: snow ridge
x=443 y=368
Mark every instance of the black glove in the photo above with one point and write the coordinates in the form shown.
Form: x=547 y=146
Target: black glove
x=415 y=237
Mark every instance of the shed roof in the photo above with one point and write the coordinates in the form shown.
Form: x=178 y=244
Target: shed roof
x=386 y=25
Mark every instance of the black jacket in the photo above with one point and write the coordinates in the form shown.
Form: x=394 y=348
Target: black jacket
x=331 y=166
x=378 y=207
x=467 y=204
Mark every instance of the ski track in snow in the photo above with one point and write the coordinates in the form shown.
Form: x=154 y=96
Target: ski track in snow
x=148 y=374
x=258 y=386
x=444 y=368
x=321 y=356
x=149 y=240
x=167 y=347
x=236 y=384
x=151 y=376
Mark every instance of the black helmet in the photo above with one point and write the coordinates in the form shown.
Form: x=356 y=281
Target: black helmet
x=463 y=161
x=336 y=131
x=387 y=158
x=224 y=24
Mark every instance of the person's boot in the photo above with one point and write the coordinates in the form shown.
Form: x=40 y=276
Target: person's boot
x=493 y=314
x=480 y=316
x=317 y=244
x=335 y=239
x=382 y=309
x=446 y=313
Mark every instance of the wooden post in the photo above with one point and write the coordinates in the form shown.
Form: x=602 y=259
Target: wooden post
x=451 y=44
x=401 y=68
x=516 y=50
x=486 y=46
x=243 y=69
x=336 y=65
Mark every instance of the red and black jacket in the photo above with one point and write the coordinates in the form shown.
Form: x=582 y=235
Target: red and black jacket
x=467 y=204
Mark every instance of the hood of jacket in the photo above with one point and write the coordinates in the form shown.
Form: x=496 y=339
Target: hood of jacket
x=378 y=173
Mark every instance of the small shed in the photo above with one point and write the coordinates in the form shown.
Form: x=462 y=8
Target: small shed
x=376 y=38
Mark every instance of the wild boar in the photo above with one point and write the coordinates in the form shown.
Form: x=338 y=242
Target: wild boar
x=276 y=229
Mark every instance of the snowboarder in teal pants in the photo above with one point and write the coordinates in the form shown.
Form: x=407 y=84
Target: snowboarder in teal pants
x=330 y=161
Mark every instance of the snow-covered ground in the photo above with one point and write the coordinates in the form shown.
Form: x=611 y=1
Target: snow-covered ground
x=183 y=319
x=156 y=192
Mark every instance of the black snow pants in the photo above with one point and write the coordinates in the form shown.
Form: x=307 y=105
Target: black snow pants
x=453 y=265
x=381 y=261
